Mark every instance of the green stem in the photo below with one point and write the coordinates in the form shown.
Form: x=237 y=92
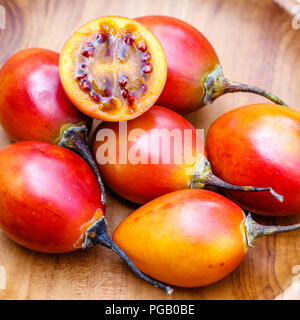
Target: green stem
x=75 y=138
x=255 y=230
x=203 y=176
x=216 y=85
x=231 y=86
x=97 y=234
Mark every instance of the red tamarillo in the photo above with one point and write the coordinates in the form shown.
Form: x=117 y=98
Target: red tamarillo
x=190 y=238
x=51 y=201
x=162 y=153
x=113 y=68
x=259 y=144
x=195 y=76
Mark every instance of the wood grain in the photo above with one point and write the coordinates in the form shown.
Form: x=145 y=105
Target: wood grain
x=257 y=45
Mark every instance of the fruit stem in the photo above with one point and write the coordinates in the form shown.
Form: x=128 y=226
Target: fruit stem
x=97 y=234
x=203 y=176
x=75 y=138
x=216 y=85
x=255 y=230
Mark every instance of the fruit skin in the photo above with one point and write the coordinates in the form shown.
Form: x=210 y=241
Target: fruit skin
x=190 y=58
x=82 y=100
x=33 y=105
x=259 y=144
x=48 y=196
x=142 y=182
x=187 y=238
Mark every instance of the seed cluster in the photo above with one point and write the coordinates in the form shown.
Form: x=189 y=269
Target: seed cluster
x=127 y=43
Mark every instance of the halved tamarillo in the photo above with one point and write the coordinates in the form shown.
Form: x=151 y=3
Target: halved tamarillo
x=195 y=76
x=51 y=201
x=113 y=68
x=259 y=144
x=33 y=105
x=190 y=238
x=154 y=154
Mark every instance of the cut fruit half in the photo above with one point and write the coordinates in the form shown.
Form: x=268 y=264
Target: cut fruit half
x=113 y=69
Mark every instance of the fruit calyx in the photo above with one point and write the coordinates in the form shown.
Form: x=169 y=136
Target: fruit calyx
x=203 y=176
x=216 y=85
x=255 y=230
x=97 y=234
x=75 y=138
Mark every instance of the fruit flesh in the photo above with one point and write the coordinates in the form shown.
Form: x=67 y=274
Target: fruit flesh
x=259 y=144
x=100 y=55
x=49 y=196
x=117 y=74
x=190 y=58
x=33 y=105
x=188 y=238
x=141 y=182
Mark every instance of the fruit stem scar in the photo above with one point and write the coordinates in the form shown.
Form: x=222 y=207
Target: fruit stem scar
x=216 y=84
x=75 y=138
x=97 y=234
x=255 y=230
x=203 y=176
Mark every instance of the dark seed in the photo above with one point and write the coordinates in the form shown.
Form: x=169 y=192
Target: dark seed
x=124 y=93
x=101 y=37
x=130 y=98
x=107 y=92
x=128 y=39
x=146 y=56
x=123 y=80
x=142 y=46
x=83 y=66
x=86 y=85
x=96 y=96
x=147 y=68
x=143 y=87
x=82 y=76
x=89 y=52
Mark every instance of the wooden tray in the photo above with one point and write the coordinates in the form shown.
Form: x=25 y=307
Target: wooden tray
x=257 y=45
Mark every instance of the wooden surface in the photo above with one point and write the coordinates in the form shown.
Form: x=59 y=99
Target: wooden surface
x=257 y=45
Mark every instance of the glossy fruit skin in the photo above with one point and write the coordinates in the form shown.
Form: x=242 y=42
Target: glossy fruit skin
x=48 y=196
x=259 y=144
x=187 y=238
x=142 y=182
x=190 y=57
x=33 y=105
